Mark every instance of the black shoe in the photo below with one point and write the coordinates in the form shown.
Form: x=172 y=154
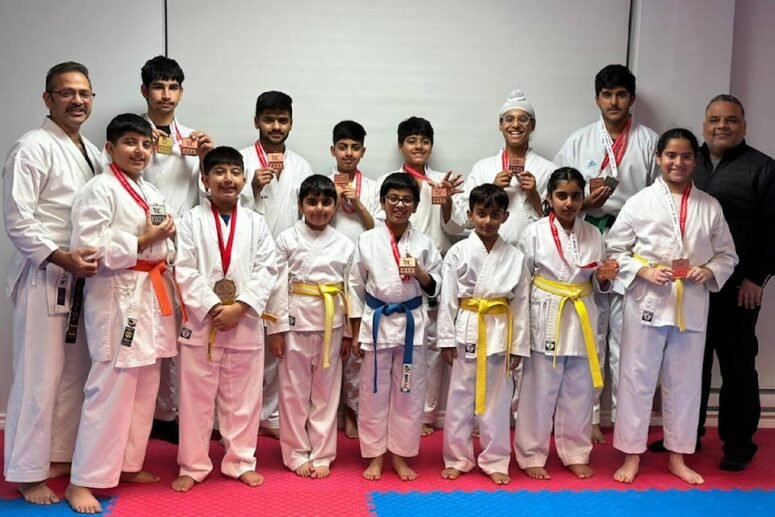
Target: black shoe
x=165 y=430
x=659 y=446
x=734 y=464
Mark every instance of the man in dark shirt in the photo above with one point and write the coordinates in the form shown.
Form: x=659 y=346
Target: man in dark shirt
x=743 y=180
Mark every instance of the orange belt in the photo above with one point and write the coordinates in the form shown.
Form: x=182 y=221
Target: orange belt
x=157 y=270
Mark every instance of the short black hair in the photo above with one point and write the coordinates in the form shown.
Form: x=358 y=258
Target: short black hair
x=317 y=185
x=414 y=126
x=725 y=97
x=349 y=129
x=222 y=155
x=161 y=68
x=612 y=76
x=273 y=100
x=127 y=123
x=562 y=174
x=399 y=181
x=488 y=195
x=64 y=68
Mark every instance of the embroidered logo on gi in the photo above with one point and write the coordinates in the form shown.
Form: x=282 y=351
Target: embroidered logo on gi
x=129 y=332
x=185 y=333
x=406 y=378
x=470 y=350
x=549 y=345
x=292 y=321
x=647 y=316
x=592 y=163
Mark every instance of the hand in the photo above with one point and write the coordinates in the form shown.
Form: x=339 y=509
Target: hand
x=420 y=274
x=276 y=344
x=155 y=134
x=656 y=275
x=355 y=325
x=261 y=178
x=153 y=233
x=347 y=344
x=699 y=274
x=602 y=280
x=452 y=184
x=597 y=198
x=503 y=179
x=449 y=355
x=514 y=361
x=81 y=262
x=226 y=317
x=527 y=182
x=204 y=143
x=749 y=295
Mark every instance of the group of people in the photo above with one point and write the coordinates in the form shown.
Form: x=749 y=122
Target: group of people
x=165 y=279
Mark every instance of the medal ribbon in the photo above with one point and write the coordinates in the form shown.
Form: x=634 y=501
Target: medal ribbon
x=414 y=172
x=396 y=253
x=177 y=133
x=504 y=160
x=347 y=206
x=558 y=244
x=121 y=177
x=225 y=251
x=684 y=208
x=615 y=150
x=261 y=155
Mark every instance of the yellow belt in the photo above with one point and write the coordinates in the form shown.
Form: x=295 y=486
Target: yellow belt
x=214 y=331
x=327 y=292
x=679 y=292
x=575 y=293
x=482 y=307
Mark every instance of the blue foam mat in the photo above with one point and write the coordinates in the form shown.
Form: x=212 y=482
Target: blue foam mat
x=13 y=507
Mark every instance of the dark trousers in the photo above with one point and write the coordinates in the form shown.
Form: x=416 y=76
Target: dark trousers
x=732 y=336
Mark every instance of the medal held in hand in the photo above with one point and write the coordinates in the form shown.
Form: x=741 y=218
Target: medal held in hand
x=596 y=183
x=438 y=195
x=611 y=183
x=189 y=146
x=516 y=166
x=226 y=290
x=608 y=269
x=680 y=268
x=275 y=161
x=158 y=214
x=164 y=145
x=341 y=179
x=407 y=266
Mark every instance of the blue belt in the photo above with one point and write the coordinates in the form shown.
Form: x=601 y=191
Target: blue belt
x=380 y=309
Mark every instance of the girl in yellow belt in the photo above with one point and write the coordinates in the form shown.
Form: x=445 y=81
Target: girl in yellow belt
x=565 y=255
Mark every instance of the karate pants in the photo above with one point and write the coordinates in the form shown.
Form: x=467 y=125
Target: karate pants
x=351 y=381
x=115 y=423
x=390 y=420
x=44 y=404
x=270 y=415
x=610 y=307
x=560 y=395
x=309 y=399
x=233 y=378
x=494 y=423
x=167 y=399
x=434 y=371
x=645 y=351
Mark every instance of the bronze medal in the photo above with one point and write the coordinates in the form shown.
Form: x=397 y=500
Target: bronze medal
x=517 y=166
x=158 y=214
x=341 y=179
x=275 y=161
x=189 y=147
x=164 y=145
x=611 y=182
x=438 y=195
x=608 y=269
x=680 y=268
x=225 y=289
x=596 y=183
x=407 y=266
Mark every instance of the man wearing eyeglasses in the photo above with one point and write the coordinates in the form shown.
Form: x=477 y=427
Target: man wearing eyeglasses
x=43 y=171
x=616 y=156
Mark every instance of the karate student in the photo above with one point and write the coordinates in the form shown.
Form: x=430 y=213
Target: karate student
x=312 y=311
x=226 y=267
x=674 y=246
x=615 y=155
x=390 y=321
x=439 y=220
x=176 y=175
x=43 y=172
x=358 y=202
x=129 y=313
x=564 y=255
x=483 y=328
x=275 y=174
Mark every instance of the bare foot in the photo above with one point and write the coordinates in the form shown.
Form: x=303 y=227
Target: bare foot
x=37 y=493
x=82 y=500
x=350 y=423
x=321 y=472
x=450 y=473
x=374 y=471
x=402 y=469
x=581 y=470
x=57 y=469
x=138 y=477
x=597 y=434
x=183 y=484
x=252 y=478
x=677 y=466
x=629 y=469
x=271 y=432
x=537 y=473
x=499 y=478
x=426 y=430
x=305 y=470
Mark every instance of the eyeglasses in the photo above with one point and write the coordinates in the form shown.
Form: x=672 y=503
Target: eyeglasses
x=522 y=120
x=69 y=95
x=395 y=200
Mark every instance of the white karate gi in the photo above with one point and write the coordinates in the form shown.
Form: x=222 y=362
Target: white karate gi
x=234 y=373
x=43 y=171
x=584 y=151
x=560 y=396
x=651 y=340
x=279 y=204
x=350 y=225
x=124 y=379
x=428 y=220
x=309 y=393
x=471 y=272
x=390 y=419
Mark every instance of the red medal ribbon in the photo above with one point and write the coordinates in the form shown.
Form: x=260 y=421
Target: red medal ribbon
x=505 y=160
x=558 y=244
x=261 y=155
x=684 y=208
x=619 y=146
x=396 y=253
x=414 y=172
x=121 y=177
x=177 y=133
x=347 y=206
x=225 y=251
